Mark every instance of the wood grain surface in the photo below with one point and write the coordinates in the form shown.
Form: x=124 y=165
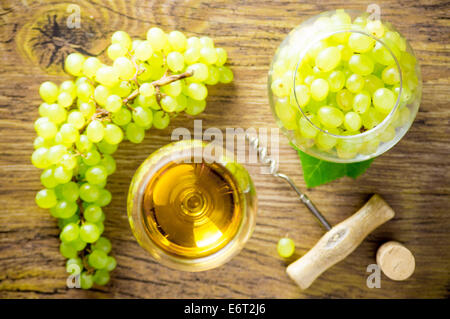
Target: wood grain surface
x=413 y=177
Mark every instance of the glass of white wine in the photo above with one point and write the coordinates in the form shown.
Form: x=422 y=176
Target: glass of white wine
x=191 y=206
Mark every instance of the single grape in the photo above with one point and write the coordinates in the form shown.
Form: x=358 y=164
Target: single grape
x=101 y=277
x=74 y=266
x=65 y=209
x=195 y=107
x=103 y=244
x=157 y=38
x=360 y=43
x=104 y=198
x=384 y=100
x=101 y=94
x=352 y=121
x=175 y=61
x=355 y=83
x=361 y=64
x=96 y=174
x=89 y=193
x=110 y=264
x=69 y=233
x=122 y=38
x=70 y=191
x=86 y=280
x=328 y=59
x=48 y=91
x=330 y=117
x=91 y=157
x=74 y=63
x=286 y=247
x=147 y=89
x=122 y=117
x=160 y=120
x=93 y=213
x=115 y=50
x=67 y=250
x=108 y=75
x=113 y=103
x=208 y=55
x=200 y=72
x=142 y=117
x=361 y=102
x=135 y=133
x=95 y=131
x=90 y=66
x=113 y=134
x=390 y=75
x=46 y=198
x=319 y=89
x=226 y=75
x=197 y=91
x=89 y=232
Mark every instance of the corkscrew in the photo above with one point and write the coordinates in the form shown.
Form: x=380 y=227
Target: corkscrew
x=273 y=168
x=339 y=241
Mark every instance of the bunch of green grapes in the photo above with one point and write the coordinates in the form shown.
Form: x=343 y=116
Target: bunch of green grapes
x=83 y=121
x=346 y=84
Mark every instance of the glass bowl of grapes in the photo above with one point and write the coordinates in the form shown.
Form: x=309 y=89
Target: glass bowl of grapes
x=344 y=87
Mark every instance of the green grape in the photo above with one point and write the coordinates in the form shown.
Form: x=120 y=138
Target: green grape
x=39 y=141
x=191 y=55
x=197 y=91
x=95 y=131
x=206 y=42
x=48 y=91
x=390 y=75
x=65 y=209
x=306 y=128
x=330 y=117
x=70 y=191
x=101 y=277
x=147 y=89
x=328 y=59
x=113 y=134
x=173 y=89
x=226 y=75
x=143 y=50
x=122 y=38
x=110 y=264
x=115 y=51
x=355 y=83
x=381 y=54
x=181 y=102
x=39 y=158
x=65 y=99
x=208 y=55
x=160 y=120
x=406 y=95
x=376 y=28
x=47 y=178
x=142 y=117
x=55 y=153
x=62 y=175
x=101 y=94
x=336 y=81
x=384 y=100
x=86 y=280
x=67 y=250
x=346 y=52
x=108 y=75
x=45 y=128
x=104 y=198
x=221 y=56
x=74 y=63
x=89 y=193
x=157 y=38
x=361 y=102
x=109 y=163
x=122 y=117
x=69 y=133
x=286 y=247
x=69 y=162
x=361 y=64
x=325 y=141
x=91 y=157
x=169 y=104
x=122 y=89
x=302 y=95
x=76 y=119
x=146 y=101
x=96 y=174
x=319 y=89
x=200 y=72
x=103 y=244
x=107 y=148
x=124 y=68
x=194 y=107
x=74 y=266
x=113 y=103
x=89 y=232
x=87 y=109
x=175 y=61
x=360 y=43
x=135 y=133
x=69 y=233
x=372 y=83
x=370 y=118
x=280 y=88
x=97 y=259
x=46 y=198
x=68 y=87
x=352 y=121
x=177 y=41
x=93 y=213
x=213 y=76
x=83 y=144
x=90 y=66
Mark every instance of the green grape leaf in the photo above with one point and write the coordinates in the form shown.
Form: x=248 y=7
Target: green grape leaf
x=317 y=172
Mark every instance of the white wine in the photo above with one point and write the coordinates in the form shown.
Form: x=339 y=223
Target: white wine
x=192 y=209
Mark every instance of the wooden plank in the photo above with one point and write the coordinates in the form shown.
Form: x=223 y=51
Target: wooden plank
x=413 y=177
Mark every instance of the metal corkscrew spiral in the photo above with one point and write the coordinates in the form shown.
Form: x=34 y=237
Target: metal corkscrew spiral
x=273 y=167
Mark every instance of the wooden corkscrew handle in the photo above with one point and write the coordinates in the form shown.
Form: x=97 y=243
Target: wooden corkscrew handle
x=339 y=241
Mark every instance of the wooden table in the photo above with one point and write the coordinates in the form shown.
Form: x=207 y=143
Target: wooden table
x=413 y=177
